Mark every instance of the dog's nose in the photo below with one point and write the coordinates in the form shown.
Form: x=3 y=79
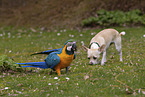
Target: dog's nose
x=91 y=63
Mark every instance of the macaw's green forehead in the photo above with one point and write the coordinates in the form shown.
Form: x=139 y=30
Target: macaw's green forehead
x=71 y=40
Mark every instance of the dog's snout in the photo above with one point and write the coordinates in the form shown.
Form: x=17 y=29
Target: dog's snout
x=91 y=63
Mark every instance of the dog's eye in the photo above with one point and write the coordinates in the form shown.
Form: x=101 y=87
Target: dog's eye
x=94 y=57
x=88 y=57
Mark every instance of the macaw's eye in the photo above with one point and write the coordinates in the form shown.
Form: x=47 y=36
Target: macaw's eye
x=94 y=57
x=88 y=57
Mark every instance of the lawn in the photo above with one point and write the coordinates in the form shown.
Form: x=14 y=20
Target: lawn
x=116 y=78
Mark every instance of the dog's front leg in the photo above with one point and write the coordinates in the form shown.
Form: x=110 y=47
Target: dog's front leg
x=103 y=58
x=120 y=53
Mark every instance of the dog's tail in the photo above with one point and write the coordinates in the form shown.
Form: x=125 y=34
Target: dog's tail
x=122 y=33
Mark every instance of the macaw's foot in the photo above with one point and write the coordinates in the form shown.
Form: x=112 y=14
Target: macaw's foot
x=67 y=69
x=58 y=71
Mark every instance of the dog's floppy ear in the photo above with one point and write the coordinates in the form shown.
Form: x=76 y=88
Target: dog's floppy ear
x=102 y=48
x=86 y=49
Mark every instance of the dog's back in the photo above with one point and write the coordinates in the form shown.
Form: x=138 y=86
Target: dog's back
x=105 y=36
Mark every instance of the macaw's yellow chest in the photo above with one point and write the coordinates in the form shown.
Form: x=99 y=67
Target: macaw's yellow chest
x=65 y=59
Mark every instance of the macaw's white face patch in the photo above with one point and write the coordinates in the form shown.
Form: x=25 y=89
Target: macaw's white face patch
x=69 y=48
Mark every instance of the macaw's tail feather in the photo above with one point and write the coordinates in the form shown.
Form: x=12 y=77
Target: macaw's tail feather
x=34 y=64
x=46 y=52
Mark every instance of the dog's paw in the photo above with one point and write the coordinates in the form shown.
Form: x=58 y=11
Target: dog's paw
x=121 y=60
x=102 y=64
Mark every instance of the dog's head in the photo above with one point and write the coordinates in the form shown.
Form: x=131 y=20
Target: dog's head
x=94 y=54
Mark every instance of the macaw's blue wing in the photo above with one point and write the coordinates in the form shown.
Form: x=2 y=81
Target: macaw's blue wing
x=52 y=60
x=34 y=64
x=47 y=52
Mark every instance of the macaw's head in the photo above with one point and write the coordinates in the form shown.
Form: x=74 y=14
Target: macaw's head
x=71 y=45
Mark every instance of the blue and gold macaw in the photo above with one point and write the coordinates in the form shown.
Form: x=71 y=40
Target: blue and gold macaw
x=57 y=58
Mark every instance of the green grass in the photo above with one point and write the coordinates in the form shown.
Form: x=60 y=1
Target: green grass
x=113 y=79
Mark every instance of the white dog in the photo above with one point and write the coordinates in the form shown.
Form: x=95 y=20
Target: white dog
x=100 y=42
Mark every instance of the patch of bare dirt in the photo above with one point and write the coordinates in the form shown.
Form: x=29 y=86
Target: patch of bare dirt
x=58 y=13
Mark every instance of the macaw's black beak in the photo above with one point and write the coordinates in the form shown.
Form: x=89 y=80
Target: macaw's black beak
x=74 y=47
